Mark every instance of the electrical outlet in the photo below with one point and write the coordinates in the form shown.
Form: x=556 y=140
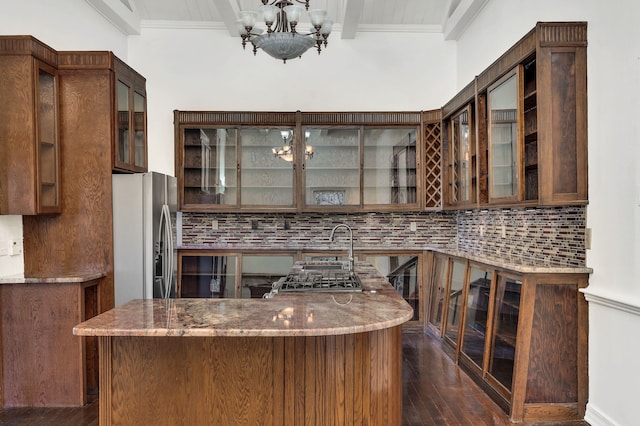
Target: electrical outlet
x=503 y=232
x=413 y=227
x=4 y=251
x=482 y=230
x=214 y=225
x=587 y=238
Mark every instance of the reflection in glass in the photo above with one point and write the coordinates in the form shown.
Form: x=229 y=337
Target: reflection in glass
x=454 y=308
x=503 y=340
x=332 y=176
x=139 y=129
x=462 y=153
x=438 y=290
x=267 y=179
x=402 y=273
x=210 y=174
x=260 y=272
x=389 y=166
x=123 y=122
x=475 y=324
x=503 y=139
x=208 y=276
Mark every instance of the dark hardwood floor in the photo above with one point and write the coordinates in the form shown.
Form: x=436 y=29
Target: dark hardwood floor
x=435 y=392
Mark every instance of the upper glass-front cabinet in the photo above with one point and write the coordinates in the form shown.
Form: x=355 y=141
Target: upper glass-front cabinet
x=463 y=158
x=29 y=129
x=361 y=167
x=130 y=148
x=332 y=175
x=266 y=167
x=253 y=165
x=504 y=139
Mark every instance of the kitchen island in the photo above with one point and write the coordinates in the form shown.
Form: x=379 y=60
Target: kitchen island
x=297 y=358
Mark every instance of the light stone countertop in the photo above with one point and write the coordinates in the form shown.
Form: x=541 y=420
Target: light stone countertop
x=377 y=307
x=514 y=264
x=52 y=278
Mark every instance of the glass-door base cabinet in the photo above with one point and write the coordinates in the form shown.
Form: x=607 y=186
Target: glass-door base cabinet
x=521 y=336
x=207 y=276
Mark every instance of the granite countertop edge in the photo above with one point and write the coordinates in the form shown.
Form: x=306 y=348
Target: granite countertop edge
x=311 y=313
x=80 y=277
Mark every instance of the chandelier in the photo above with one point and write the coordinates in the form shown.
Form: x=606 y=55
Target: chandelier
x=282 y=40
x=285 y=151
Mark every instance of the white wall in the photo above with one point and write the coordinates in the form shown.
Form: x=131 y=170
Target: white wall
x=614 y=177
x=206 y=69
x=10 y=230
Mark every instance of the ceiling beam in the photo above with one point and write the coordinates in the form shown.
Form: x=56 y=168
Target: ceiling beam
x=352 y=12
x=120 y=16
x=462 y=17
x=228 y=10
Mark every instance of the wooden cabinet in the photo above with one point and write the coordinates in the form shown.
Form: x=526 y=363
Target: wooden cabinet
x=530 y=122
x=43 y=363
x=119 y=108
x=298 y=161
x=29 y=127
x=461 y=158
x=522 y=336
x=130 y=146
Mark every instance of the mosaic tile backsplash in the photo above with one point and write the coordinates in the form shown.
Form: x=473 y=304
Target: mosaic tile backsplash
x=530 y=236
x=309 y=231
x=552 y=236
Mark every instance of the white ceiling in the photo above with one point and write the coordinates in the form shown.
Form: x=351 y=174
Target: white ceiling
x=449 y=17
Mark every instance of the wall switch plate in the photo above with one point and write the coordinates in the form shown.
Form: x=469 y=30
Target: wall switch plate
x=214 y=225
x=413 y=227
x=503 y=232
x=482 y=230
x=15 y=247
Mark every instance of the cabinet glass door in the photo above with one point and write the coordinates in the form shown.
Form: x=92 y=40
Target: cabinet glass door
x=476 y=316
x=455 y=301
x=389 y=167
x=403 y=274
x=139 y=132
x=260 y=272
x=48 y=171
x=123 y=143
x=332 y=175
x=266 y=168
x=210 y=166
x=438 y=288
x=504 y=151
x=505 y=327
x=208 y=276
x=463 y=156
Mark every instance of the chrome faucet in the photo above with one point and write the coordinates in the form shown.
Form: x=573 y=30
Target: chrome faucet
x=342 y=225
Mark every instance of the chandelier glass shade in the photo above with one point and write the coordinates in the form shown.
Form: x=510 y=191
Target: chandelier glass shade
x=285 y=151
x=282 y=40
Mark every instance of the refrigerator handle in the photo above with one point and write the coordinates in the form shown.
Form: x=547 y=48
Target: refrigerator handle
x=167 y=267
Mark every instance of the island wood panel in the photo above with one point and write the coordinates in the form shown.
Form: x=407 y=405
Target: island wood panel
x=317 y=380
x=43 y=362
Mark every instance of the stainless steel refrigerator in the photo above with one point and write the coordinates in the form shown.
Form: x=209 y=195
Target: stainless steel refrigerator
x=144 y=213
